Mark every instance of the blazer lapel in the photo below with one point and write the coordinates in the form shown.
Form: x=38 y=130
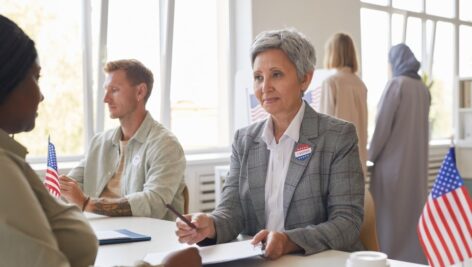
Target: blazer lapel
x=308 y=134
x=257 y=161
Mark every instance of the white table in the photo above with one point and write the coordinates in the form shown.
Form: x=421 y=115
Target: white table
x=164 y=239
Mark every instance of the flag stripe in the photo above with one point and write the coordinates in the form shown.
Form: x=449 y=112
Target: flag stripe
x=52 y=185
x=437 y=237
x=468 y=199
x=51 y=175
x=436 y=225
x=466 y=221
x=439 y=260
x=52 y=182
x=453 y=212
x=444 y=225
x=462 y=212
x=426 y=244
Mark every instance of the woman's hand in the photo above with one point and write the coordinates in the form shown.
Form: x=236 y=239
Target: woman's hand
x=205 y=228
x=276 y=245
x=188 y=257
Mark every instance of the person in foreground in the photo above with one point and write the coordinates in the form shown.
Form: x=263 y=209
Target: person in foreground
x=36 y=229
x=136 y=168
x=295 y=179
x=343 y=94
x=399 y=151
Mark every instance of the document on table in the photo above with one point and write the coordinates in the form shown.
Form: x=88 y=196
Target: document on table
x=216 y=253
x=107 y=237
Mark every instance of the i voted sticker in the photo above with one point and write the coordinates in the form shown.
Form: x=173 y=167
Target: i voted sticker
x=302 y=151
x=136 y=160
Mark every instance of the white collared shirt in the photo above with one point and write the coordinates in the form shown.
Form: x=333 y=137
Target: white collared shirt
x=279 y=159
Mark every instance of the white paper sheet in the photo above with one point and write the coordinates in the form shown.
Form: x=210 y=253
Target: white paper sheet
x=216 y=253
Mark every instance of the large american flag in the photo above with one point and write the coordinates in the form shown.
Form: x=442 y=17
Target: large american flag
x=257 y=111
x=445 y=226
x=51 y=181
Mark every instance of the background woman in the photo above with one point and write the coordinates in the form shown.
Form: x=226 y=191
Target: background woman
x=343 y=94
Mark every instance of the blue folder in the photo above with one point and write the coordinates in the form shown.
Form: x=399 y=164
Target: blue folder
x=130 y=237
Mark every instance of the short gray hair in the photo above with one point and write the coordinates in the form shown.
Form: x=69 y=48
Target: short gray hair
x=293 y=43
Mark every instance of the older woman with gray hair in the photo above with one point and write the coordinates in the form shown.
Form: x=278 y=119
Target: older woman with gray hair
x=295 y=180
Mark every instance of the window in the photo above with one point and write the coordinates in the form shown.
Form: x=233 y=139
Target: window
x=73 y=47
x=413 y=36
x=54 y=25
x=199 y=92
x=465 y=43
x=397 y=28
x=411 y=5
x=374 y=59
x=443 y=82
x=133 y=32
x=431 y=29
x=377 y=2
x=443 y=8
x=464 y=10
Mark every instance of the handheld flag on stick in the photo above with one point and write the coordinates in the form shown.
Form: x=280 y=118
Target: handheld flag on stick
x=51 y=181
x=445 y=226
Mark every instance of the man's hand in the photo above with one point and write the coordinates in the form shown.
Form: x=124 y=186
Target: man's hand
x=71 y=191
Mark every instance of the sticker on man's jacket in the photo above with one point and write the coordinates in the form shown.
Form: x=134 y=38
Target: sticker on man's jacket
x=136 y=160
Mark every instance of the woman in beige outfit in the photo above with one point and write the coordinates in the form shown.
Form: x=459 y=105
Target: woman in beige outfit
x=35 y=228
x=343 y=94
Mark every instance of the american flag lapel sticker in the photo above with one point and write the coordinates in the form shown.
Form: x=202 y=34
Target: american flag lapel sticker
x=302 y=151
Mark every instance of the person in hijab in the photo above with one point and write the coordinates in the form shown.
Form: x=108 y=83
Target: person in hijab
x=36 y=229
x=399 y=151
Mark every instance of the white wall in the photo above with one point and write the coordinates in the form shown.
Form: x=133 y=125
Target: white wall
x=317 y=19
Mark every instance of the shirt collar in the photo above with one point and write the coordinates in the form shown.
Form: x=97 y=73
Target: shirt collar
x=292 y=132
x=140 y=135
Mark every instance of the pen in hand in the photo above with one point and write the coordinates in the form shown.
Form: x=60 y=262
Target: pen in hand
x=181 y=216
x=261 y=245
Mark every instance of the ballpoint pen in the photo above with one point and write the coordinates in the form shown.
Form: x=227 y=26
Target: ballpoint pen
x=181 y=216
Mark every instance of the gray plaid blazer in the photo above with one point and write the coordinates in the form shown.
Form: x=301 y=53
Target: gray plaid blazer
x=323 y=194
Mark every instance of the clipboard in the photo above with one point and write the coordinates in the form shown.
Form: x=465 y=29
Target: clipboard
x=119 y=236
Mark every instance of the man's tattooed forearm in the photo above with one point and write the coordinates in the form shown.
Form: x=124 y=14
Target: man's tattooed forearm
x=112 y=207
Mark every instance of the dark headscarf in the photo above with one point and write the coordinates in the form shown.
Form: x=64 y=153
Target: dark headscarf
x=403 y=62
x=17 y=54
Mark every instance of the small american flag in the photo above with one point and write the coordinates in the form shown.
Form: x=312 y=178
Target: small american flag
x=51 y=181
x=313 y=98
x=257 y=112
x=445 y=226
